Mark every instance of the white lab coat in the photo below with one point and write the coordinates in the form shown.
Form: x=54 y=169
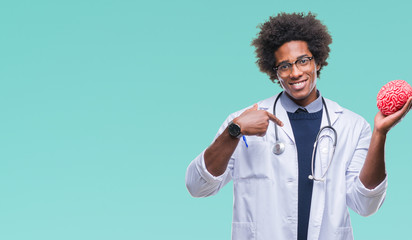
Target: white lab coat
x=266 y=185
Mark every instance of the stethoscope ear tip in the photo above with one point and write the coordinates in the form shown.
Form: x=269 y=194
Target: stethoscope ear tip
x=310 y=177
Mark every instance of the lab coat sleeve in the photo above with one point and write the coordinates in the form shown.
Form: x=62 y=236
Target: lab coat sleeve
x=199 y=181
x=363 y=201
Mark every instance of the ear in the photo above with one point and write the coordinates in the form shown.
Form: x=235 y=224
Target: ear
x=317 y=67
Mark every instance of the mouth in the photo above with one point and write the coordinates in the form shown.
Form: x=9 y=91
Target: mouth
x=298 y=84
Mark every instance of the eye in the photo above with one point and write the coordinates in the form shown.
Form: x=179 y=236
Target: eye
x=303 y=61
x=283 y=67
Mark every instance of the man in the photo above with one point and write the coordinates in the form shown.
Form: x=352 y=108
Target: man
x=284 y=187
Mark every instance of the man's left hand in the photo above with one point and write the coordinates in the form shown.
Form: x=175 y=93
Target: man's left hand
x=384 y=123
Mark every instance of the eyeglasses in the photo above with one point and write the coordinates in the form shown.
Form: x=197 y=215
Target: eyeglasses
x=284 y=69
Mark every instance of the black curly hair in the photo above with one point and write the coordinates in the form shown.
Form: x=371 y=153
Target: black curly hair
x=287 y=27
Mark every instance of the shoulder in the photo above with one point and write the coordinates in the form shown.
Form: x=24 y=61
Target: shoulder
x=345 y=115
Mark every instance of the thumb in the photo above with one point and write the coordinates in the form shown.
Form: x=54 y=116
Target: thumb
x=253 y=108
x=405 y=109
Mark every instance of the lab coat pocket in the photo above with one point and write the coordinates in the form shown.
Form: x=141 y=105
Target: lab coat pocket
x=243 y=231
x=254 y=161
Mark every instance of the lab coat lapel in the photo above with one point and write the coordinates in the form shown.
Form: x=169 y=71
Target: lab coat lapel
x=283 y=116
x=319 y=193
x=334 y=112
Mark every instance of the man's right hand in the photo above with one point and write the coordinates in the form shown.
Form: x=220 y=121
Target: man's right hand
x=255 y=122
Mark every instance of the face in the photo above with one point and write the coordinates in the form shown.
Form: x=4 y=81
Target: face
x=299 y=85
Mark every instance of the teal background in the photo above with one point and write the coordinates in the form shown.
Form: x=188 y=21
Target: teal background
x=105 y=103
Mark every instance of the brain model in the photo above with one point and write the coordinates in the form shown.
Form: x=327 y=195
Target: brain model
x=393 y=96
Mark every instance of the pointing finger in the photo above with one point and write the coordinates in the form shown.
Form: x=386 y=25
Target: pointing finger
x=275 y=119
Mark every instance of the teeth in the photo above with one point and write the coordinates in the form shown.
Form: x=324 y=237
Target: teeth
x=298 y=84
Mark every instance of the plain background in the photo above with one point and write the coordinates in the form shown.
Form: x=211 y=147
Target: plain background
x=105 y=103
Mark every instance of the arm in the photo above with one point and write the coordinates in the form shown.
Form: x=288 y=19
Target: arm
x=373 y=171
x=251 y=122
x=209 y=172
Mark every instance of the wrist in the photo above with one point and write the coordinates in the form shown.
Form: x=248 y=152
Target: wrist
x=380 y=132
x=238 y=122
x=234 y=129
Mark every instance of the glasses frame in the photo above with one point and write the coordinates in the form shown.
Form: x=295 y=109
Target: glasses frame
x=291 y=64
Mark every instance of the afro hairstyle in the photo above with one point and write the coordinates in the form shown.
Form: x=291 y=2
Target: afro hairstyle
x=286 y=27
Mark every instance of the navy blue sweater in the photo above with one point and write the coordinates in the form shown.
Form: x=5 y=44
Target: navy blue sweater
x=305 y=128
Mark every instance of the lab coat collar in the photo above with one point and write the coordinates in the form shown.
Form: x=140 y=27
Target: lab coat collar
x=281 y=114
x=334 y=112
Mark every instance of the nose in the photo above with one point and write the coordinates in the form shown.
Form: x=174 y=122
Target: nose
x=295 y=72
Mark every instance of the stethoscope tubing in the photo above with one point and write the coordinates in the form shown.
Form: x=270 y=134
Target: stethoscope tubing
x=279 y=146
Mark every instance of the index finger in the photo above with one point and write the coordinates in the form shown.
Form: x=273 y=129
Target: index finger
x=274 y=119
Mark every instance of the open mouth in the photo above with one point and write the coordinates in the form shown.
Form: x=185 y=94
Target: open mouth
x=298 y=84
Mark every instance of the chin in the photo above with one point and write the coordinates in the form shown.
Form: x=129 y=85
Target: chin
x=300 y=96
x=297 y=95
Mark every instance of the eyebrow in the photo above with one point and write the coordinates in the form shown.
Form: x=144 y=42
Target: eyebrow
x=301 y=56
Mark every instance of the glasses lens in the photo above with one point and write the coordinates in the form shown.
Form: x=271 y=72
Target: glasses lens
x=284 y=69
x=302 y=64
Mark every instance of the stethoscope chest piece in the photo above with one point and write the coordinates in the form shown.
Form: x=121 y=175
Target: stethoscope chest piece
x=278 y=148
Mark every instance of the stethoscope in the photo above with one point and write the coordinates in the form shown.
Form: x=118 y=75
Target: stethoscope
x=279 y=146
